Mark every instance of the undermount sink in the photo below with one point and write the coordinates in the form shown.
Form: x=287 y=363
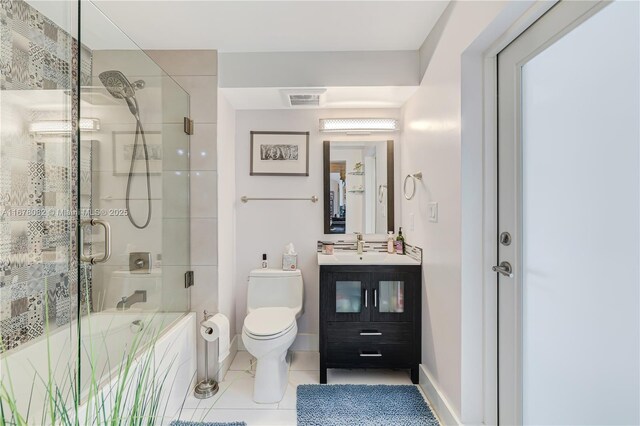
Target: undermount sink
x=367 y=258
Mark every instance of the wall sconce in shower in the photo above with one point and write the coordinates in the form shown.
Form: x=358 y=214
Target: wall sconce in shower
x=63 y=127
x=358 y=125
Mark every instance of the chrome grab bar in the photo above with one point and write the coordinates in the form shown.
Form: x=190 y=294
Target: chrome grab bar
x=107 y=241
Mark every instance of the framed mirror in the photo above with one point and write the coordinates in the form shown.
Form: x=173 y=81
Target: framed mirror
x=358 y=187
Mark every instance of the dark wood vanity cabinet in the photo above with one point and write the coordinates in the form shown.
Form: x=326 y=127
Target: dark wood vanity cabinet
x=370 y=317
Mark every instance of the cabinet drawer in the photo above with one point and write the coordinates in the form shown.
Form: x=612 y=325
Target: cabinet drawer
x=368 y=355
x=369 y=332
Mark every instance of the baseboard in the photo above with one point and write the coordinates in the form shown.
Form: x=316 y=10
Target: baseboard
x=305 y=342
x=223 y=366
x=442 y=408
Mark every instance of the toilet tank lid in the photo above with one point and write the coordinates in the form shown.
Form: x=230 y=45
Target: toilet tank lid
x=274 y=273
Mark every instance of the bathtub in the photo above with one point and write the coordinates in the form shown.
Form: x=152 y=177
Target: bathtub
x=164 y=341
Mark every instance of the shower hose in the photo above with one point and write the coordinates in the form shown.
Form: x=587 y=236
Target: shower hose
x=139 y=132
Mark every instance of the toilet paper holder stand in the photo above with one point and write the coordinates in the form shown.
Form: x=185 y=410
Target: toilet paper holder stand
x=206 y=388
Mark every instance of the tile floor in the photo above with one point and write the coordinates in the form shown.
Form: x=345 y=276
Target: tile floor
x=233 y=402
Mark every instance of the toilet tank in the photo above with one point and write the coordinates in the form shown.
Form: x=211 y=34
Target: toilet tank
x=270 y=288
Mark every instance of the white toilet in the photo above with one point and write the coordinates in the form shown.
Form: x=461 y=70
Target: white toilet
x=274 y=302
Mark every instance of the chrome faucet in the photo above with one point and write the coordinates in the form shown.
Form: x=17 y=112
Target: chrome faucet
x=138 y=296
x=359 y=242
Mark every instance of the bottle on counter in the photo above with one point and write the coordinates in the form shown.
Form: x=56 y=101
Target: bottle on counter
x=400 y=249
x=391 y=243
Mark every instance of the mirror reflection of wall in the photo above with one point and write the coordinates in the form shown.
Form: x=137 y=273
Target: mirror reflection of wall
x=357 y=187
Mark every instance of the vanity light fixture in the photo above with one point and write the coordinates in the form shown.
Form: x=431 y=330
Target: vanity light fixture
x=358 y=125
x=61 y=127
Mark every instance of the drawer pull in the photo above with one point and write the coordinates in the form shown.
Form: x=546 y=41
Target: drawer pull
x=370 y=333
x=371 y=354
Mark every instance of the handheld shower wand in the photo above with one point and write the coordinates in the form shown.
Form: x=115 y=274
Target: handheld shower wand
x=121 y=88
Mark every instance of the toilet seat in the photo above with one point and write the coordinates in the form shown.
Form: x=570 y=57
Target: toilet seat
x=269 y=323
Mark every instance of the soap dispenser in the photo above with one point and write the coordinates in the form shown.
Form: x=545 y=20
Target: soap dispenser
x=391 y=243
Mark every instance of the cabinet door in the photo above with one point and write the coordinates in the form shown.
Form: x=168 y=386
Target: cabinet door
x=393 y=296
x=348 y=296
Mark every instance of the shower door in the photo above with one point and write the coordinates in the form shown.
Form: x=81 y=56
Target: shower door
x=94 y=217
x=134 y=203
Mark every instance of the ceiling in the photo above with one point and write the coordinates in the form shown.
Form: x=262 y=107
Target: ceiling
x=261 y=26
x=275 y=26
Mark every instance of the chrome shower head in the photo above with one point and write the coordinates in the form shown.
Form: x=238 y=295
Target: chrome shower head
x=117 y=84
x=121 y=88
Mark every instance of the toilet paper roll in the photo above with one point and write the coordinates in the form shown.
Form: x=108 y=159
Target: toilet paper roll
x=209 y=331
x=217 y=327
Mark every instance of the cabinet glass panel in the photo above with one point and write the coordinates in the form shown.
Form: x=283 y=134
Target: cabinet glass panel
x=391 y=297
x=348 y=296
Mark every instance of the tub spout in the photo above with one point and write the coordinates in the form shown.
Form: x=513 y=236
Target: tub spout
x=137 y=297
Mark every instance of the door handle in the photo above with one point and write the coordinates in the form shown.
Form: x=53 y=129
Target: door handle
x=504 y=268
x=107 y=241
x=375 y=297
x=366 y=298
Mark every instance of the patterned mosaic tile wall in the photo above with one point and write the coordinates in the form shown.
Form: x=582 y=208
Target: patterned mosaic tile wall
x=38 y=183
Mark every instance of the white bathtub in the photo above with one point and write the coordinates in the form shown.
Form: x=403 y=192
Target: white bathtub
x=167 y=340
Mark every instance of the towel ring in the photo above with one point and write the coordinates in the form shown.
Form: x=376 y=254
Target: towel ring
x=413 y=178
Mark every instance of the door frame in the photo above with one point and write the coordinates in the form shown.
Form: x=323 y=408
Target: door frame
x=478 y=213
x=479 y=194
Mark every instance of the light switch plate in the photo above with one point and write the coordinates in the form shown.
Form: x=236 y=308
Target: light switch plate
x=433 y=212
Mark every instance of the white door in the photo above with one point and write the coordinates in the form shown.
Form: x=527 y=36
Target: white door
x=569 y=190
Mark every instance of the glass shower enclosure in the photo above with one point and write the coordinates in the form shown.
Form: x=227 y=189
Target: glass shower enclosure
x=94 y=214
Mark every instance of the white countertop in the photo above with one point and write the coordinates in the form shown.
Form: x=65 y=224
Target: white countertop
x=367 y=258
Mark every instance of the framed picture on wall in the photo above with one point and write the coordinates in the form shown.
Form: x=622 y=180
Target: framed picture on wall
x=123 y=143
x=279 y=154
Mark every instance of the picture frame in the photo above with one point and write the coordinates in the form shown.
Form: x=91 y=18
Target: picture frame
x=279 y=153
x=122 y=148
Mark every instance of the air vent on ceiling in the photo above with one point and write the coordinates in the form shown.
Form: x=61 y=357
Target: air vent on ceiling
x=303 y=97
x=304 y=100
